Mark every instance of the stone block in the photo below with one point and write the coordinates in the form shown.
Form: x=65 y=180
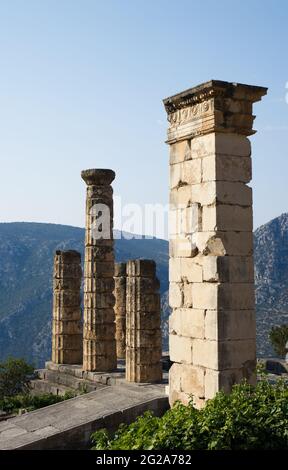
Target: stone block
x=226 y=168
x=99 y=332
x=185 y=269
x=66 y=298
x=233 y=193
x=144 y=338
x=237 y=354
x=205 y=353
x=188 y=172
x=151 y=373
x=179 y=152
x=220 y=143
x=228 y=269
x=182 y=247
x=205 y=295
x=66 y=327
x=145 y=320
x=182 y=196
x=67 y=341
x=187 y=378
x=176 y=295
x=187 y=295
x=230 y=324
x=221 y=243
x=143 y=356
x=103 y=315
x=226 y=217
x=224 y=380
x=227 y=296
x=181 y=349
x=141 y=267
x=187 y=322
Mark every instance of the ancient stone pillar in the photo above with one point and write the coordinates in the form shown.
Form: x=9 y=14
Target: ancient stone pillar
x=120 y=308
x=67 y=315
x=99 y=345
x=212 y=326
x=143 y=333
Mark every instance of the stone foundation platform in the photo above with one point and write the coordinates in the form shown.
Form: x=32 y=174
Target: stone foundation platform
x=61 y=378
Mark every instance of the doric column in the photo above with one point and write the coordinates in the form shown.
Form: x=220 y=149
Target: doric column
x=99 y=346
x=143 y=333
x=212 y=327
x=67 y=315
x=120 y=308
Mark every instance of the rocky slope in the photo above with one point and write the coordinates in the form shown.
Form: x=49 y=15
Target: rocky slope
x=26 y=258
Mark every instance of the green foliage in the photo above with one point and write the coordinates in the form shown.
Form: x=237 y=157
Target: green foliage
x=248 y=418
x=31 y=402
x=15 y=377
x=278 y=337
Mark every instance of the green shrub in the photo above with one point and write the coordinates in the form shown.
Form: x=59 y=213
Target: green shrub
x=278 y=337
x=15 y=375
x=248 y=418
x=31 y=402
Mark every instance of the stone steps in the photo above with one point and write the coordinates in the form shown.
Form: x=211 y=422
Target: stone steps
x=44 y=386
x=64 y=380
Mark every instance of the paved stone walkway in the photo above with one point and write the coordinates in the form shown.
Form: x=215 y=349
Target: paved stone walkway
x=69 y=424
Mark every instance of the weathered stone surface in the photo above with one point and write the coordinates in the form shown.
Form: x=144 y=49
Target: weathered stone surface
x=229 y=296
x=189 y=322
x=181 y=349
x=67 y=315
x=226 y=217
x=212 y=326
x=228 y=269
x=99 y=345
x=187 y=378
x=143 y=333
x=120 y=308
x=226 y=168
x=230 y=324
x=222 y=355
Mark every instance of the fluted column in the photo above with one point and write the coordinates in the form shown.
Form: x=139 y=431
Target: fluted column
x=120 y=308
x=67 y=315
x=99 y=345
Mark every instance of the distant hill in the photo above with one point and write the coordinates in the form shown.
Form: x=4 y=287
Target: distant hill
x=271 y=277
x=26 y=259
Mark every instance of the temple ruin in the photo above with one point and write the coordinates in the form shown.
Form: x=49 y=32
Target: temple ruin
x=211 y=286
x=211 y=275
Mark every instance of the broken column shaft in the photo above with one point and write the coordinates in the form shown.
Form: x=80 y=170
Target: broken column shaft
x=67 y=315
x=99 y=346
x=120 y=308
x=143 y=333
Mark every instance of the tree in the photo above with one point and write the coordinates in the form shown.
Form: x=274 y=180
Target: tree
x=15 y=375
x=278 y=337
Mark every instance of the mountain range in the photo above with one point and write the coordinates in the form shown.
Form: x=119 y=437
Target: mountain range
x=26 y=261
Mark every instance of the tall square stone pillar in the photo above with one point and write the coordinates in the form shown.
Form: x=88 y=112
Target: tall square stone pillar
x=212 y=326
x=143 y=333
x=99 y=345
x=67 y=314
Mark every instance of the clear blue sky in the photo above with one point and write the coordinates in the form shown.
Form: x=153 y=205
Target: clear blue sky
x=82 y=83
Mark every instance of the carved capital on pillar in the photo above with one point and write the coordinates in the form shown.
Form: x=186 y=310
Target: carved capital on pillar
x=98 y=177
x=214 y=106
